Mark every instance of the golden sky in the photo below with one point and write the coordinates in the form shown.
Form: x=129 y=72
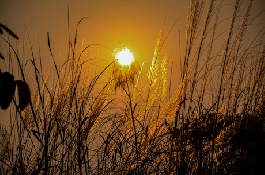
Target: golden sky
x=133 y=23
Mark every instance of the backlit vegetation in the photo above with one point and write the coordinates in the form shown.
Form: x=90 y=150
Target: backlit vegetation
x=75 y=123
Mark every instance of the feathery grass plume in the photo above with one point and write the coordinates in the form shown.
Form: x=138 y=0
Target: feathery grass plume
x=163 y=77
x=123 y=75
x=153 y=71
x=155 y=90
x=204 y=33
x=193 y=19
x=195 y=11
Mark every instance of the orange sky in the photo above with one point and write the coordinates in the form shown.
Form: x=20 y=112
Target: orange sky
x=134 y=23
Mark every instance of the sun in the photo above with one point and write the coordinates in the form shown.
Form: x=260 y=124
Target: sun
x=124 y=57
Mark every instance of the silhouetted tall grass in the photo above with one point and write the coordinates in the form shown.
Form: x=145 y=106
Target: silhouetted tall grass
x=212 y=124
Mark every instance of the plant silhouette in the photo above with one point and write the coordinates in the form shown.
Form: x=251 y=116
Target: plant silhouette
x=10 y=32
x=8 y=84
x=7 y=89
x=122 y=120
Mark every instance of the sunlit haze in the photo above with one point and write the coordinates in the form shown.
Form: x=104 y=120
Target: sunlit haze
x=124 y=57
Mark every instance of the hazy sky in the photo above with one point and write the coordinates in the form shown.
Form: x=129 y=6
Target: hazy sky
x=133 y=23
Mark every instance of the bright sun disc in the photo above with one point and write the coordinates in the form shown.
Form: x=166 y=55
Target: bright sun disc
x=124 y=57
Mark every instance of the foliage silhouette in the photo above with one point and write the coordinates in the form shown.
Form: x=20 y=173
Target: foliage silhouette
x=8 y=85
x=23 y=94
x=7 y=89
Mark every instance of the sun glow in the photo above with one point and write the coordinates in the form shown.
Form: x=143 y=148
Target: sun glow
x=124 y=57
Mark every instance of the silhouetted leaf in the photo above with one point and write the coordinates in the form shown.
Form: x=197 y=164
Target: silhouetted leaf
x=10 y=32
x=23 y=94
x=1 y=31
x=1 y=56
x=7 y=89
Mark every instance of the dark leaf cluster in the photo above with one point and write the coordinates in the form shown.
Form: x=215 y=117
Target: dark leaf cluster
x=7 y=90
